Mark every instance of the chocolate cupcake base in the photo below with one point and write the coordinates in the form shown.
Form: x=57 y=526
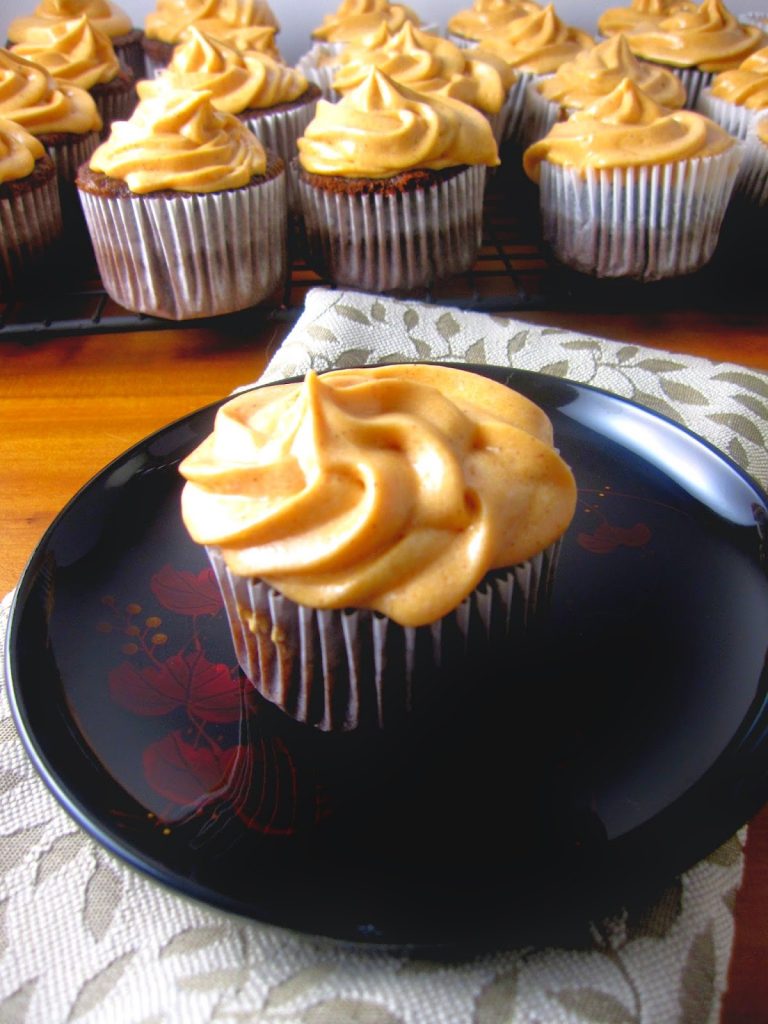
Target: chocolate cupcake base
x=30 y=225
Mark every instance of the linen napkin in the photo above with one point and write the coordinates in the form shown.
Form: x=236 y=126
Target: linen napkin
x=85 y=938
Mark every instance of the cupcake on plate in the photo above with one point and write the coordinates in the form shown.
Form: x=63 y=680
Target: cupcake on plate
x=533 y=45
x=698 y=44
x=633 y=190
x=639 y=16
x=104 y=15
x=186 y=210
x=374 y=529
x=30 y=210
x=63 y=117
x=734 y=98
x=244 y=24
x=77 y=53
x=486 y=19
x=435 y=66
x=591 y=75
x=274 y=100
x=391 y=184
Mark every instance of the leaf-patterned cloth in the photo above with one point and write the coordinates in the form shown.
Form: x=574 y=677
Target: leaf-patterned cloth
x=84 y=938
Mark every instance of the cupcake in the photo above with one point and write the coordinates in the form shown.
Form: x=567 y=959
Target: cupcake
x=244 y=24
x=633 y=190
x=430 y=64
x=105 y=16
x=592 y=74
x=752 y=184
x=373 y=530
x=735 y=97
x=639 y=16
x=486 y=19
x=30 y=210
x=698 y=44
x=274 y=100
x=77 y=53
x=63 y=117
x=186 y=210
x=533 y=45
x=391 y=184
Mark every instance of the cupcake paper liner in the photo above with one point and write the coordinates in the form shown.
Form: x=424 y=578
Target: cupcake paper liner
x=734 y=118
x=343 y=670
x=693 y=79
x=319 y=65
x=752 y=183
x=129 y=51
x=30 y=229
x=278 y=132
x=647 y=223
x=190 y=255
x=388 y=241
x=540 y=113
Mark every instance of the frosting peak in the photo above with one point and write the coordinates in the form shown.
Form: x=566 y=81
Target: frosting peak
x=30 y=97
x=220 y=18
x=394 y=488
x=72 y=51
x=539 y=42
x=177 y=140
x=746 y=85
x=488 y=18
x=382 y=128
x=18 y=151
x=103 y=15
x=354 y=19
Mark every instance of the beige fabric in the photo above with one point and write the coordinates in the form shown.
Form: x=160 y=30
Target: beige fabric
x=85 y=938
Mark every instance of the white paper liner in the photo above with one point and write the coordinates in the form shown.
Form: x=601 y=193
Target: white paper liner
x=30 y=229
x=278 y=132
x=693 y=79
x=733 y=117
x=518 y=107
x=319 y=65
x=343 y=670
x=752 y=183
x=405 y=240
x=190 y=255
x=645 y=223
x=540 y=113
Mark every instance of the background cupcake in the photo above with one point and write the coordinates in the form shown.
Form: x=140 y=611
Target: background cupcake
x=75 y=52
x=30 y=211
x=486 y=19
x=275 y=101
x=104 y=15
x=698 y=44
x=735 y=97
x=631 y=189
x=752 y=186
x=186 y=210
x=391 y=184
x=639 y=15
x=591 y=75
x=373 y=530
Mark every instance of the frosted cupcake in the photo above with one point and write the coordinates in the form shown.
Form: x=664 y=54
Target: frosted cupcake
x=186 y=210
x=752 y=186
x=698 y=44
x=634 y=190
x=736 y=97
x=639 y=16
x=486 y=19
x=533 y=45
x=275 y=101
x=244 y=24
x=391 y=184
x=30 y=211
x=374 y=529
x=591 y=75
x=105 y=17
x=79 y=54
x=433 y=65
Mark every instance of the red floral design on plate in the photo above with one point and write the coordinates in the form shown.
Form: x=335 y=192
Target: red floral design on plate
x=607 y=538
x=186 y=593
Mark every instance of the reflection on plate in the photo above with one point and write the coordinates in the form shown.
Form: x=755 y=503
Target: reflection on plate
x=623 y=744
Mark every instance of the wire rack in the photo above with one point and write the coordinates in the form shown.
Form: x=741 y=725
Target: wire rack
x=513 y=272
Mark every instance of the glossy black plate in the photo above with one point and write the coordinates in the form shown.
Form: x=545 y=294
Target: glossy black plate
x=627 y=740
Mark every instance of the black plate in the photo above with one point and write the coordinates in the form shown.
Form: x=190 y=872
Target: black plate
x=627 y=741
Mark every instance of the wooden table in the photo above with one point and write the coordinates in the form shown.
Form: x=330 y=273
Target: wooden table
x=72 y=403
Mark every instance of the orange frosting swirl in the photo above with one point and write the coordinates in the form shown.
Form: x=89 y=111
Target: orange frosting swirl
x=177 y=140
x=746 y=85
x=640 y=16
x=19 y=151
x=382 y=128
x=627 y=129
x=354 y=19
x=709 y=37
x=219 y=18
x=594 y=73
x=103 y=15
x=30 y=97
x=429 y=64
x=488 y=18
x=395 y=488
x=236 y=80
x=72 y=51
x=538 y=43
